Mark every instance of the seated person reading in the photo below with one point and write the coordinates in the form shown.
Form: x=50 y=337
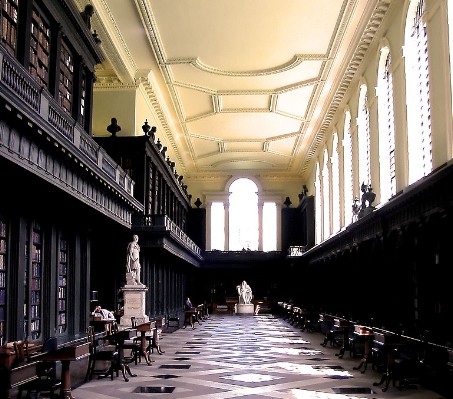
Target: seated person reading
x=103 y=313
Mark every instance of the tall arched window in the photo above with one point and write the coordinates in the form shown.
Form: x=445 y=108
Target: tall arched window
x=417 y=93
x=347 y=170
x=243 y=212
x=364 y=137
x=242 y=217
x=326 y=196
x=387 y=169
x=335 y=167
x=318 y=205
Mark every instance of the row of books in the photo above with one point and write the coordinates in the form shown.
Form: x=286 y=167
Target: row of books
x=62 y=256
x=2 y=229
x=61 y=292
x=61 y=305
x=36 y=237
x=36 y=269
x=35 y=297
x=35 y=311
x=62 y=269
x=36 y=254
x=36 y=284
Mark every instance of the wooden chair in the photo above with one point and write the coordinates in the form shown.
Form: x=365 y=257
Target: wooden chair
x=47 y=381
x=172 y=319
x=132 y=345
x=136 y=321
x=105 y=356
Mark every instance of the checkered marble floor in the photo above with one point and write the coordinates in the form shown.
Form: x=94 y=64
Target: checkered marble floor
x=250 y=357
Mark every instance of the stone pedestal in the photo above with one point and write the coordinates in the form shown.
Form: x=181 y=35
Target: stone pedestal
x=134 y=296
x=245 y=309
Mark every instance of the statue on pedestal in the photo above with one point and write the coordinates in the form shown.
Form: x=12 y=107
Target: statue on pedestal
x=245 y=293
x=133 y=260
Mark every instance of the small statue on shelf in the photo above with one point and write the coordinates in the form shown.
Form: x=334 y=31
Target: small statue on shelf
x=86 y=14
x=113 y=128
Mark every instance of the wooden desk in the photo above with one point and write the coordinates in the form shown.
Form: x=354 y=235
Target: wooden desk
x=12 y=377
x=119 y=337
x=191 y=316
x=66 y=355
x=365 y=335
x=326 y=322
x=343 y=326
x=102 y=325
x=388 y=342
x=160 y=323
x=144 y=328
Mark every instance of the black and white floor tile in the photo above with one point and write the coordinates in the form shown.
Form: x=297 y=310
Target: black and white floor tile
x=249 y=357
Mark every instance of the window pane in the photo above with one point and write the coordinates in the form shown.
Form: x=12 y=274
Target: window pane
x=217 y=226
x=269 y=226
x=243 y=215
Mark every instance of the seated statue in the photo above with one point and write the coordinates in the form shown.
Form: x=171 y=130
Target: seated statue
x=245 y=293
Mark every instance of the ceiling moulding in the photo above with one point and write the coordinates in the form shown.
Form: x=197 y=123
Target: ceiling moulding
x=291 y=64
x=243 y=146
x=220 y=176
x=159 y=112
x=112 y=44
x=111 y=82
x=372 y=27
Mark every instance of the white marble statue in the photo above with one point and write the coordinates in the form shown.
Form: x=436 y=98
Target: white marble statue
x=244 y=292
x=133 y=259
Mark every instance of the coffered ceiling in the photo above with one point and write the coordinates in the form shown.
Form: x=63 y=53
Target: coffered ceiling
x=240 y=86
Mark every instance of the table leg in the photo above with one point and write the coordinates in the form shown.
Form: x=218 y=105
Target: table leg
x=65 y=380
x=156 y=343
x=144 y=350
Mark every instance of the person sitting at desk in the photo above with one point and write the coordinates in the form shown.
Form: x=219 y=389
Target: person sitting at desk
x=103 y=313
x=189 y=316
x=188 y=304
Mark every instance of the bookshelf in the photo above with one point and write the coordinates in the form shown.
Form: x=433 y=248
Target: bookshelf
x=66 y=78
x=33 y=285
x=62 y=285
x=39 y=49
x=3 y=245
x=9 y=12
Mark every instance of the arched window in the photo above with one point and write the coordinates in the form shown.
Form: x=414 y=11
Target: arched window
x=318 y=205
x=243 y=218
x=336 y=223
x=347 y=171
x=364 y=137
x=387 y=169
x=243 y=212
x=417 y=93
x=326 y=195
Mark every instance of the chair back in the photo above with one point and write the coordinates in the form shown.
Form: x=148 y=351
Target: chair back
x=91 y=339
x=48 y=368
x=21 y=352
x=138 y=321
